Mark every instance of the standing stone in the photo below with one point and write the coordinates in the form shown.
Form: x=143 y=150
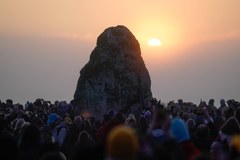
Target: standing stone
x=115 y=78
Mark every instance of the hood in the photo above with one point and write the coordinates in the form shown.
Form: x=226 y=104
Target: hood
x=179 y=130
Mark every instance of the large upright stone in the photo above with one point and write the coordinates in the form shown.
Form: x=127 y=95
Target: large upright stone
x=115 y=78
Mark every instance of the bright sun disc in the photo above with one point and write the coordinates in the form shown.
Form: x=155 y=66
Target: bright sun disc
x=154 y=42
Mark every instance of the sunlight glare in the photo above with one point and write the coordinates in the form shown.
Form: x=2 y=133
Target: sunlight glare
x=154 y=42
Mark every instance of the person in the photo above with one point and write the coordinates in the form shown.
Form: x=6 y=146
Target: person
x=237 y=114
x=211 y=106
x=131 y=121
x=122 y=143
x=53 y=155
x=217 y=152
x=223 y=105
x=104 y=130
x=59 y=130
x=202 y=138
x=159 y=127
x=229 y=129
x=180 y=133
x=191 y=125
x=159 y=140
x=29 y=143
x=75 y=129
x=235 y=147
x=218 y=119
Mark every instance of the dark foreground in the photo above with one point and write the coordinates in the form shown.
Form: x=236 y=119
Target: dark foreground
x=44 y=131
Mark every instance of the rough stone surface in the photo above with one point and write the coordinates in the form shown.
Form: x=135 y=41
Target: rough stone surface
x=115 y=78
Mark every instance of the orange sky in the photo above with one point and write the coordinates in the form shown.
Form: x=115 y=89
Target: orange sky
x=189 y=30
x=173 y=22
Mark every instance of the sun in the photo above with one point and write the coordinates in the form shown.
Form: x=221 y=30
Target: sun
x=154 y=42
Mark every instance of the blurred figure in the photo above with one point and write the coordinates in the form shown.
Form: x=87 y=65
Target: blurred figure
x=104 y=130
x=235 y=147
x=185 y=116
x=54 y=155
x=237 y=114
x=142 y=126
x=202 y=139
x=191 y=125
x=218 y=119
x=59 y=130
x=222 y=104
x=180 y=133
x=161 y=144
x=229 y=129
x=159 y=127
x=29 y=143
x=84 y=139
x=217 y=152
x=75 y=129
x=122 y=143
x=211 y=106
x=131 y=121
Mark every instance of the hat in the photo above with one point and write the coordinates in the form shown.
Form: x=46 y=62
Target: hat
x=235 y=142
x=53 y=117
x=230 y=127
x=179 y=130
x=122 y=143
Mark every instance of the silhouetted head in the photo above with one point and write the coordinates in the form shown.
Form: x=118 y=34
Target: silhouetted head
x=230 y=127
x=230 y=103
x=78 y=121
x=54 y=155
x=161 y=119
x=119 y=117
x=191 y=124
x=202 y=131
x=216 y=150
x=53 y=119
x=84 y=139
x=211 y=102
x=131 y=121
x=180 y=102
x=122 y=143
x=30 y=137
x=222 y=103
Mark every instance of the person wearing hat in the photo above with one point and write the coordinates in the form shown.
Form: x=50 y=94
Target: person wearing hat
x=58 y=127
x=227 y=132
x=180 y=133
x=229 y=128
x=122 y=143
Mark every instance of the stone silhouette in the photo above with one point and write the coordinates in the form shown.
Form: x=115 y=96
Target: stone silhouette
x=115 y=78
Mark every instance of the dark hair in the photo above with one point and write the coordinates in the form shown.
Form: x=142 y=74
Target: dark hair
x=54 y=155
x=119 y=117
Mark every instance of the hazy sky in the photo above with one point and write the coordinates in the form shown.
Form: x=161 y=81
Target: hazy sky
x=44 y=44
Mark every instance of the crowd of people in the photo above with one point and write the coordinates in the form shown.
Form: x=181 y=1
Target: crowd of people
x=177 y=130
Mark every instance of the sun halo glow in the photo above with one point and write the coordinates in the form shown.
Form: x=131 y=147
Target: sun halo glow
x=154 y=42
